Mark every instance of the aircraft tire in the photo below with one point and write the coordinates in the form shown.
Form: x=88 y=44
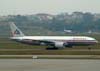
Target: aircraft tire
x=52 y=48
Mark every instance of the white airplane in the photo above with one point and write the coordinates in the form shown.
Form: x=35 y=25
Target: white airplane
x=53 y=42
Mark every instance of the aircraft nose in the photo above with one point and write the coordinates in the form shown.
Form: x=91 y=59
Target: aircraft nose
x=96 y=41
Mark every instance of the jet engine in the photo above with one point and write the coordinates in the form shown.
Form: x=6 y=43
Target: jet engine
x=62 y=45
x=59 y=45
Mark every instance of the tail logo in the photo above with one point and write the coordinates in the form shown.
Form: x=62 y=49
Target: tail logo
x=16 y=32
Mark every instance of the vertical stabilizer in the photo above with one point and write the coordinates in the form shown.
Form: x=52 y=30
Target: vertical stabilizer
x=16 y=32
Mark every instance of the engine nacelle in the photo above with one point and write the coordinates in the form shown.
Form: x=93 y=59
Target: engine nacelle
x=62 y=45
x=59 y=44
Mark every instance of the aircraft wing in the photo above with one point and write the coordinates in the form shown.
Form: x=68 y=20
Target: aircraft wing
x=47 y=42
x=53 y=43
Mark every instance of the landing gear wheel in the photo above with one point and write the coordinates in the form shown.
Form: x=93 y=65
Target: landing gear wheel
x=51 y=48
x=89 y=48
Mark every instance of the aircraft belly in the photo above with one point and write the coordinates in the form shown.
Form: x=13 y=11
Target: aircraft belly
x=80 y=43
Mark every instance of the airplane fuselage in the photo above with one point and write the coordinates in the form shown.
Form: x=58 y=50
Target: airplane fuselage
x=67 y=40
x=52 y=41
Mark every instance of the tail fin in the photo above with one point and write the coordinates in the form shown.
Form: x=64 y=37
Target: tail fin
x=16 y=32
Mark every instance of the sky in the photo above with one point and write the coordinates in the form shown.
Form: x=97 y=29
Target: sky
x=28 y=7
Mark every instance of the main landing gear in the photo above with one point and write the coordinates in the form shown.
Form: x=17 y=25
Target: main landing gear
x=52 y=48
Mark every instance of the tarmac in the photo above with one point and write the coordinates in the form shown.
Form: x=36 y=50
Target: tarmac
x=50 y=57
x=49 y=65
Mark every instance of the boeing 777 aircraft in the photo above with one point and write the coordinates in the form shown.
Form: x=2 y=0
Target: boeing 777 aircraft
x=53 y=42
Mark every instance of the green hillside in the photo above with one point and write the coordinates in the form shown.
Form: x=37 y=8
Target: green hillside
x=46 y=24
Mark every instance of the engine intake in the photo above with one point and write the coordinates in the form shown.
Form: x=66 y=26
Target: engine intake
x=59 y=44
